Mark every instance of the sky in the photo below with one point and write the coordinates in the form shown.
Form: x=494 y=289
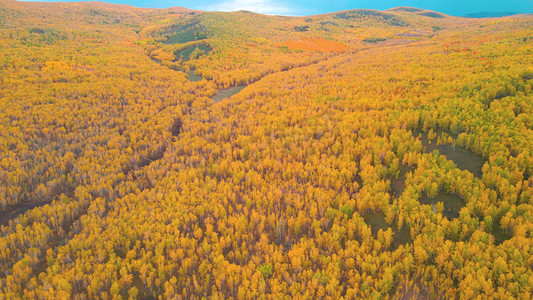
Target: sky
x=311 y=7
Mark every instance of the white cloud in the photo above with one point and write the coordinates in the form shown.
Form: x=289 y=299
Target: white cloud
x=270 y=7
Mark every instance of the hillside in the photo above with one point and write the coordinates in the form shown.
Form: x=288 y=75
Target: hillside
x=177 y=153
x=489 y=14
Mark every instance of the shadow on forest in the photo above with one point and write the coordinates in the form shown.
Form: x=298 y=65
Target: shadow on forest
x=499 y=234
x=175 y=129
x=398 y=184
x=16 y=210
x=154 y=156
x=413 y=290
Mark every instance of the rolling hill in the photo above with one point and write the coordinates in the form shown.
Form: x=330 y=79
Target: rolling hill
x=176 y=153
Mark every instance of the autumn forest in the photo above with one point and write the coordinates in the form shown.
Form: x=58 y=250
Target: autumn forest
x=182 y=154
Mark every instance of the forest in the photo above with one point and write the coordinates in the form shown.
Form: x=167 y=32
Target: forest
x=183 y=154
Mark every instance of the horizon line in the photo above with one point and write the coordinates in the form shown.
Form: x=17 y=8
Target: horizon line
x=506 y=13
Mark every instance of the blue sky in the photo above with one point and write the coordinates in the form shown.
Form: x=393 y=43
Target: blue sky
x=309 y=7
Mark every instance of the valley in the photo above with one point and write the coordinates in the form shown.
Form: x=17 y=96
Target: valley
x=183 y=154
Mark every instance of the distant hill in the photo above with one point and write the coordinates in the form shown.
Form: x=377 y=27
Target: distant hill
x=162 y=153
x=490 y=14
x=406 y=8
x=421 y=12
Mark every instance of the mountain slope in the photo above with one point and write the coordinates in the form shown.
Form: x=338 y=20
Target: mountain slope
x=179 y=153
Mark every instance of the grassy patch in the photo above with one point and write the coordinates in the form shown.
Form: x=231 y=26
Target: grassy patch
x=192 y=52
x=444 y=203
x=376 y=221
x=374 y=39
x=185 y=31
x=464 y=159
x=223 y=94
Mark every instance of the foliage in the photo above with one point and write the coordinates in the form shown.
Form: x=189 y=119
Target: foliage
x=265 y=270
x=374 y=15
x=317 y=180
x=314 y=44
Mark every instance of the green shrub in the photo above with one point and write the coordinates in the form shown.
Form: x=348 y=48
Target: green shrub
x=374 y=39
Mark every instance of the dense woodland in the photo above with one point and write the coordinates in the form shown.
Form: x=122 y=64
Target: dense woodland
x=344 y=169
